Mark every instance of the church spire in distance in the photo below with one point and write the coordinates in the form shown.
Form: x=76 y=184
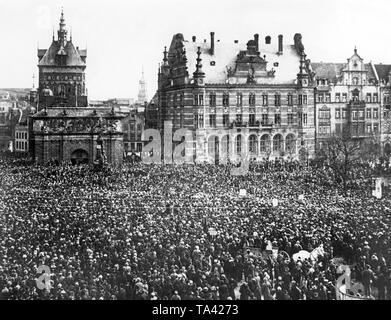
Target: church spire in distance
x=142 y=91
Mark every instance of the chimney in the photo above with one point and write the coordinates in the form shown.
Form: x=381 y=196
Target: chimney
x=280 y=44
x=268 y=39
x=194 y=38
x=212 y=43
x=236 y=41
x=256 y=39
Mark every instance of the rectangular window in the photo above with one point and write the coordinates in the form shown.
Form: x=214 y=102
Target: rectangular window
x=305 y=99
x=290 y=99
x=368 y=113
x=212 y=100
x=337 y=113
x=251 y=118
x=277 y=99
x=344 y=97
x=354 y=114
x=369 y=128
x=338 y=128
x=290 y=118
x=337 y=97
x=300 y=99
x=277 y=119
x=132 y=146
x=375 y=128
x=182 y=100
x=212 y=120
x=375 y=98
x=386 y=98
x=375 y=113
x=239 y=118
x=225 y=99
x=251 y=99
x=305 y=118
x=195 y=99
x=368 y=97
x=265 y=119
x=328 y=97
x=239 y=99
x=361 y=114
x=201 y=121
x=320 y=97
x=343 y=113
x=324 y=114
x=265 y=99
x=225 y=120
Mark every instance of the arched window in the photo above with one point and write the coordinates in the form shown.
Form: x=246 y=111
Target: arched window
x=212 y=144
x=225 y=147
x=253 y=144
x=265 y=143
x=290 y=143
x=238 y=143
x=277 y=143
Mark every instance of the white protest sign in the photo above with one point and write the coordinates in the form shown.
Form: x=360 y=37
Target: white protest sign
x=212 y=232
x=242 y=192
x=275 y=202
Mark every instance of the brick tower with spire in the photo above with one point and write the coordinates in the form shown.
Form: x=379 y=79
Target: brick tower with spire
x=62 y=72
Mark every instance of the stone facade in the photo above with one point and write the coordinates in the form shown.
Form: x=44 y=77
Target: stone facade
x=239 y=97
x=60 y=133
x=348 y=99
x=65 y=129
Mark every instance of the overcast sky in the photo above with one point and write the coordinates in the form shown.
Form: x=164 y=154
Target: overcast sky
x=122 y=36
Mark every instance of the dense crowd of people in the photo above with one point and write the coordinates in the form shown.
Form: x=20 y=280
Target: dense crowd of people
x=152 y=232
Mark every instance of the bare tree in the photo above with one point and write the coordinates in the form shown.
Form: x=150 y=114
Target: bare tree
x=340 y=153
x=371 y=148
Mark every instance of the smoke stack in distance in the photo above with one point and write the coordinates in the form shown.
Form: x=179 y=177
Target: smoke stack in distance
x=280 y=50
x=212 y=43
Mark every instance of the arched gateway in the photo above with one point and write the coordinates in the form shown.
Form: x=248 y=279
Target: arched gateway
x=79 y=156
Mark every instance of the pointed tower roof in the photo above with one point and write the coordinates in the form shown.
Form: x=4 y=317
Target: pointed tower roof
x=142 y=91
x=61 y=46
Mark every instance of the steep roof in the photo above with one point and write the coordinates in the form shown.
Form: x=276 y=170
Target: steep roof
x=331 y=71
x=383 y=71
x=327 y=70
x=73 y=56
x=225 y=56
